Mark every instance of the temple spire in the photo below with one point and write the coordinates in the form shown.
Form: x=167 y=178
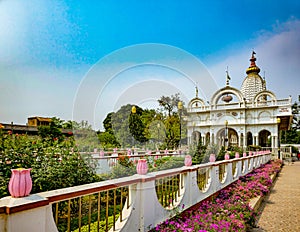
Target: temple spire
x=227 y=77
x=253 y=68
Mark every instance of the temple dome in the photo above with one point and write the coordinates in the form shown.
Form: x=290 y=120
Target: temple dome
x=253 y=82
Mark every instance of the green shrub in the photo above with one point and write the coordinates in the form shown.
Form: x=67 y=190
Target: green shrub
x=54 y=164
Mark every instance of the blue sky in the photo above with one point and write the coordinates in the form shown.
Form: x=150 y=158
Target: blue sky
x=48 y=50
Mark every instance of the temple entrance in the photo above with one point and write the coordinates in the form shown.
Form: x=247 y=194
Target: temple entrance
x=207 y=138
x=249 y=139
x=196 y=137
x=264 y=138
x=228 y=138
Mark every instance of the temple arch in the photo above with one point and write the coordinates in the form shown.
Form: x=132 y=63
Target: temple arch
x=226 y=90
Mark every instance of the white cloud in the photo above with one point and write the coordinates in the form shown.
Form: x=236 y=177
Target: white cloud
x=278 y=55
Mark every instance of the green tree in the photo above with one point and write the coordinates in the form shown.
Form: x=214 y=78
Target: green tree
x=172 y=119
x=107 y=122
x=136 y=125
x=128 y=128
x=295 y=112
x=292 y=136
x=120 y=126
x=53 y=131
x=108 y=140
x=169 y=104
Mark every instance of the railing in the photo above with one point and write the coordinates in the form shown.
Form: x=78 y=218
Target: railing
x=135 y=203
x=236 y=105
x=105 y=162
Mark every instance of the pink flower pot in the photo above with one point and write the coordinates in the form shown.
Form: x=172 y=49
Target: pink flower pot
x=20 y=183
x=250 y=153
x=244 y=154
x=237 y=155
x=188 y=160
x=101 y=153
x=212 y=158
x=227 y=157
x=142 y=167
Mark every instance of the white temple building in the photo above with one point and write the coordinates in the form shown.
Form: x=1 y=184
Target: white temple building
x=242 y=117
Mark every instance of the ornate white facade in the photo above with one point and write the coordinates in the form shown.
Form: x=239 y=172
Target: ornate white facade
x=250 y=116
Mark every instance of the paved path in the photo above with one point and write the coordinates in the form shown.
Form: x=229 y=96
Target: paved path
x=281 y=210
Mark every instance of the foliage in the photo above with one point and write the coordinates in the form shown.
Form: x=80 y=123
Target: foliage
x=136 y=126
x=169 y=104
x=172 y=131
x=107 y=124
x=126 y=129
x=53 y=131
x=199 y=153
x=221 y=154
x=172 y=120
x=121 y=171
x=149 y=117
x=54 y=164
x=292 y=136
x=120 y=126
x=254 y=148
x=108 y=140
x=86 y=140
x=127 y=166
x=230 y=210
x=164 y=163
x=94 y=226
x=295 y=112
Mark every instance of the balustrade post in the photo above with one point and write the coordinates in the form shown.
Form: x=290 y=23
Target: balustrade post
x=39 y=218
x=146 y=211
x=238 y=169
x=215 y=183
x=191 y=190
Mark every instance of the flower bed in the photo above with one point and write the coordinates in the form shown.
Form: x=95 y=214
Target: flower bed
x=230 y=210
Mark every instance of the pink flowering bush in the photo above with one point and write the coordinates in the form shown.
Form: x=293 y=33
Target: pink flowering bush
x=230 y=210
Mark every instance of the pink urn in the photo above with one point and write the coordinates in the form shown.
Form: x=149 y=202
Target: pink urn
x=101 y=153
x=227 y=157
x=244 y=154
x=142 y=167
x=212 y=158
x=188 y=160
x=20 y=183
x=237 y=155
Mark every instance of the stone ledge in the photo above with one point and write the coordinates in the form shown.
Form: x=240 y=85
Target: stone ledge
x=256 y=202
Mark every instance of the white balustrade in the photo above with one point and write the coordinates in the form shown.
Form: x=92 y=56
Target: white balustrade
x=144 y=210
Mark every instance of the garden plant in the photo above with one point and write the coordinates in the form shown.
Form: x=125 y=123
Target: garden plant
x=230 y=209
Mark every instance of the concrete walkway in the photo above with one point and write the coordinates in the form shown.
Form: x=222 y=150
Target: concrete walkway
x=281 y=210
